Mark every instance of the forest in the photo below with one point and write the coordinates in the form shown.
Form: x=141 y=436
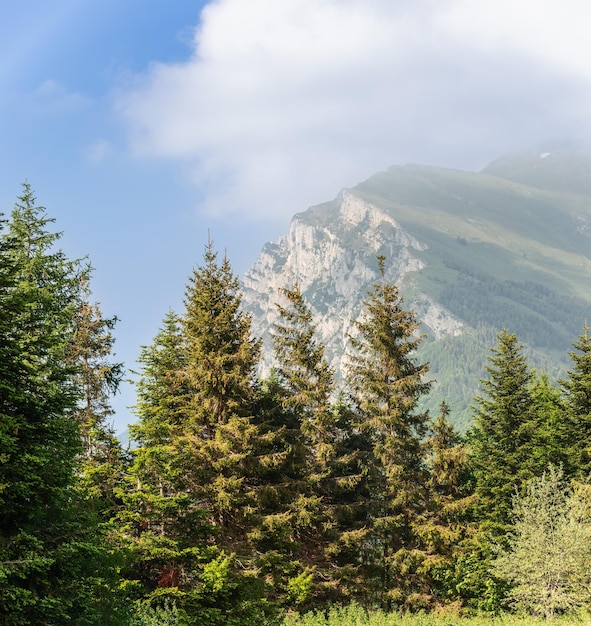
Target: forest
x=288 y=500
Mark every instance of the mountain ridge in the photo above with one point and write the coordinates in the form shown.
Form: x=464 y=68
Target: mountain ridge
x=471 y=252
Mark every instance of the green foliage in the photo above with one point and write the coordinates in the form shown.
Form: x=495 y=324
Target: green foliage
x=355 y=615
x=187 y=499
x=247 y=499
x=576 y=428
x=548 y=558
x=386 y=386
x=447 y=525
x=54 y=564
x=324 y=463
x=506 y=428
x=166 y=615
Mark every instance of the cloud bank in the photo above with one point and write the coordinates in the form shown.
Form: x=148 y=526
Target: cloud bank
x=281 y=104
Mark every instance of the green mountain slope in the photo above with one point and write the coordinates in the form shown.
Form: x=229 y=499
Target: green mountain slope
x=506 y=247
x=501 y=253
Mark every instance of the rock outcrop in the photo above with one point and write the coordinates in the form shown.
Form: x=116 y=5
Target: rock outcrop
x=331 y=252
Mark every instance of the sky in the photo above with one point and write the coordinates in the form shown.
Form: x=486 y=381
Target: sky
x=147 y=126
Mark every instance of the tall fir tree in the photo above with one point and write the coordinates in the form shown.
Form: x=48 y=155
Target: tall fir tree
x=505 y=432
x=222 y=357
x=307 y=378
x=321 y=509
x=187 y=504
x=387 y=384
x=52 y=564
x=549 y=407
x=576 y=428
x=448 y=525
x=155 y=521
x=98 y=377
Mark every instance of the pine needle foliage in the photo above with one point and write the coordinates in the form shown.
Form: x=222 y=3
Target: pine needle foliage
x=327 y=507
x=505 y=431
x=577 y=394
x=53 y=561
x=188 y=498
x=386 y=385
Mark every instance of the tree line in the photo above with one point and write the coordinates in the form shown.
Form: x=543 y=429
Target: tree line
x=244 y=497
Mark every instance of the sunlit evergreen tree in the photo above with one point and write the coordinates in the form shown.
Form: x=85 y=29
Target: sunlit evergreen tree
x=387 y=384
x=186 y=514
x=98 y=378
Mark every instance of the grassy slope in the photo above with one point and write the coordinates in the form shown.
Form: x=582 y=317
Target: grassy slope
x=500 y=253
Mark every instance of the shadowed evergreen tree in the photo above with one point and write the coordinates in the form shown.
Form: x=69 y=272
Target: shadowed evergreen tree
x=447 y=525
x=386 y=385
x=506 y=429
x=549 y=407
x=576 y=428
x=52 y=562
x=308 y=380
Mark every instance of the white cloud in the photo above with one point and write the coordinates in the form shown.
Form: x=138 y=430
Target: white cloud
x=283 y=103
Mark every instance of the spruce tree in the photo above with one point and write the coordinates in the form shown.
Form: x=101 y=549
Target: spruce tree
x=307 y=378
x=158 y=513
x=505 y=432
x=186 y=514
x=52 y=564
x=549 y=407
x=320 y=509
x=387 y=384
x=448 y=525
x=221 y=361
x=576 y=428
x=98 y=377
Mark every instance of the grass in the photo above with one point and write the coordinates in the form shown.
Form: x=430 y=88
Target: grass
x=356 y=616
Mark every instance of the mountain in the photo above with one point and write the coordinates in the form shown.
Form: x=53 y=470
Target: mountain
x=471 y=252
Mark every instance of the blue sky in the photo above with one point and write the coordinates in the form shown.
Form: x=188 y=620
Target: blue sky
x=144 y=125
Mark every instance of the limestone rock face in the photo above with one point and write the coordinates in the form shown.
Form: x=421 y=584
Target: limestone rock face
x=471 y=253
x=331 y=252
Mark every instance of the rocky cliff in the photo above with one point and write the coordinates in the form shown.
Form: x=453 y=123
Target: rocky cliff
x=331 y=252
x=470 y=252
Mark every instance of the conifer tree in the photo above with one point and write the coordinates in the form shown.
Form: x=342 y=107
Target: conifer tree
x=158 y=513
x=506 y=429
x=307 y=378
x=320 y=510
x=221 y=360
x=186 y=511
x=90 y=351
x=52 y=564
x=387 y=385
x=576 y=428
x=447 y=525
x=549 y=408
